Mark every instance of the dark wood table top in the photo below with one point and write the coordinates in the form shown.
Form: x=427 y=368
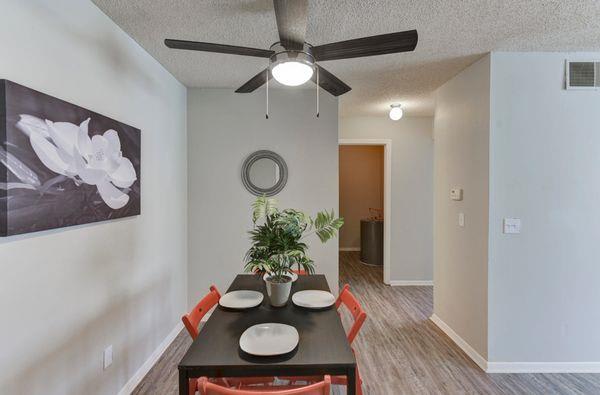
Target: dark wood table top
x=323 y=346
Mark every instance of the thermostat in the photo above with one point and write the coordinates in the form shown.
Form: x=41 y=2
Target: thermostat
x=456 y=194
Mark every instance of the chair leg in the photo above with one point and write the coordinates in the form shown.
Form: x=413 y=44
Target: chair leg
x=358 y=383
x=343 y=380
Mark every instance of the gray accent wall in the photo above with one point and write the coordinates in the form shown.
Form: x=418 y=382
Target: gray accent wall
x=224 y=128
x=67 y=294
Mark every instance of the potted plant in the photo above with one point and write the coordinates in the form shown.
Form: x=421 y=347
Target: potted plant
x=278 y=244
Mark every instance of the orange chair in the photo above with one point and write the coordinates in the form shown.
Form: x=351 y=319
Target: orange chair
x=351 y=303
x=193 y=318
x=321 y=388
x=192 y=322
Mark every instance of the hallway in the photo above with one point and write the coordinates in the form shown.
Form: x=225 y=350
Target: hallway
x=399 y=347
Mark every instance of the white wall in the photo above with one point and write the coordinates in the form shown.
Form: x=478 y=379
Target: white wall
x=544 y=167
x=66 y=294
x=461 y=141
x=224 y=128
x=412 y=190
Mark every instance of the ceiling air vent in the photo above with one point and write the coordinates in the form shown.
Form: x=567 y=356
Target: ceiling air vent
x=583 y=75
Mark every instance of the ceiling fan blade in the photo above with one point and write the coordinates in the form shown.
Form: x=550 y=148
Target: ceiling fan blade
x=219 y=48
x=255 y=82
x=291 y=18
x=330 y=82
x=367 y=46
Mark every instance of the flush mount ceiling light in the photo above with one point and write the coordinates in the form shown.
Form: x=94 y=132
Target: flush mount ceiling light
x=291 y=68
x=292 y=73
x=396 y=112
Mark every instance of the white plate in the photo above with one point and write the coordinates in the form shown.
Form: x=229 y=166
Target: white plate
x=294 y=276
x=269 y=339
x=313 y=299
x=241 y=299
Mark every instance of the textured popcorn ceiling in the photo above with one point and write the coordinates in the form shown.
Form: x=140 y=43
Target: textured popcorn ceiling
x=452 y=35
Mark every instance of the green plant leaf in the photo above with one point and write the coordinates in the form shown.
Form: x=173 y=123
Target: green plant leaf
x=263 y=207
x=326 y=225
x=277 y=244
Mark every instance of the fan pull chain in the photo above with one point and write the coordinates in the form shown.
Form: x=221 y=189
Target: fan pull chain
x=267 y=109
x=317 y=92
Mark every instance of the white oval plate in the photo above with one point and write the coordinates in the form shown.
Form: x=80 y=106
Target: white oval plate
x=293 y=275
x=269 y=339
x=313 y=299
x=241 y=299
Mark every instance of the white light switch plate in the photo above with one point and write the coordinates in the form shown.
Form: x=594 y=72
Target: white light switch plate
x=512 y=225
x=108 y=356
x=461 y=219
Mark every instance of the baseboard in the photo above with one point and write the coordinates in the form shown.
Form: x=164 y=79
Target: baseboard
x=349 y=249
x=460 y=342
x=515 y=367
x=156 y=354
x=405 y=283
x=543 y=367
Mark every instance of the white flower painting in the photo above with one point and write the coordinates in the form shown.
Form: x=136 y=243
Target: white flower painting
x=67 y=149
x=63 y=165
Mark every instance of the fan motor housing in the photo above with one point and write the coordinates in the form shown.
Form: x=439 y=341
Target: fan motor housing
x=282 y=55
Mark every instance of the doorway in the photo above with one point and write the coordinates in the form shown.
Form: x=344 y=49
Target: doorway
x=365 y=203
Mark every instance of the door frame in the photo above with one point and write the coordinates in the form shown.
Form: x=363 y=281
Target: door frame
x=387 y=196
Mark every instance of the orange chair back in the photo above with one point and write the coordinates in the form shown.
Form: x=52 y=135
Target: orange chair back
x=358 y=314
x=192 y=319
x=320 y=388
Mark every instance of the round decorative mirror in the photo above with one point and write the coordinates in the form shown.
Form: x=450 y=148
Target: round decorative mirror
x=264 y=173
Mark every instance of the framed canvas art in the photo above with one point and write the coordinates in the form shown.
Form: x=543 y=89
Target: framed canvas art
x=62 y=165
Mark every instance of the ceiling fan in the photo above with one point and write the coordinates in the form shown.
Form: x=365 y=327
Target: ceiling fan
x=292 y=61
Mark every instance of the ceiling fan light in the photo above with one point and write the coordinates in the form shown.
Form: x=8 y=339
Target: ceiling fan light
x=396 y=112
x=292 y=73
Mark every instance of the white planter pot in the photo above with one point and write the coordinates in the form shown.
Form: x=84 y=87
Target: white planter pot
x=279 y=293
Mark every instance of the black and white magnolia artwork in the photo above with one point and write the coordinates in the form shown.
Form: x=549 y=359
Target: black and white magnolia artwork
x=62 y=165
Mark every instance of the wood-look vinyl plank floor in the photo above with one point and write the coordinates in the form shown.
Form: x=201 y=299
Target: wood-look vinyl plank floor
x=399 y=350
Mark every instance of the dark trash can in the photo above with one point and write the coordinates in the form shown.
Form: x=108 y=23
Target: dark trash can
x=371 y=241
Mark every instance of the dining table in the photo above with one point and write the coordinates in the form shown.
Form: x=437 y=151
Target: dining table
x=323 y=348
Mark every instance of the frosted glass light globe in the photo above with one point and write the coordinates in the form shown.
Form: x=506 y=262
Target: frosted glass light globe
x=292 y=73
x=396 y=112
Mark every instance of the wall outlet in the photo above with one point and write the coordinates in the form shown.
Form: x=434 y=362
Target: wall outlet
x=461 y=220
x=512 y=225
x=108 y=356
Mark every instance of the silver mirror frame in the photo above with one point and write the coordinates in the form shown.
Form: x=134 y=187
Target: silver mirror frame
x=283 y=173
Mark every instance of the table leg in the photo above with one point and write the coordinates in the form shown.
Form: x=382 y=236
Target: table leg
x=183 y=383
x=351 y=377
